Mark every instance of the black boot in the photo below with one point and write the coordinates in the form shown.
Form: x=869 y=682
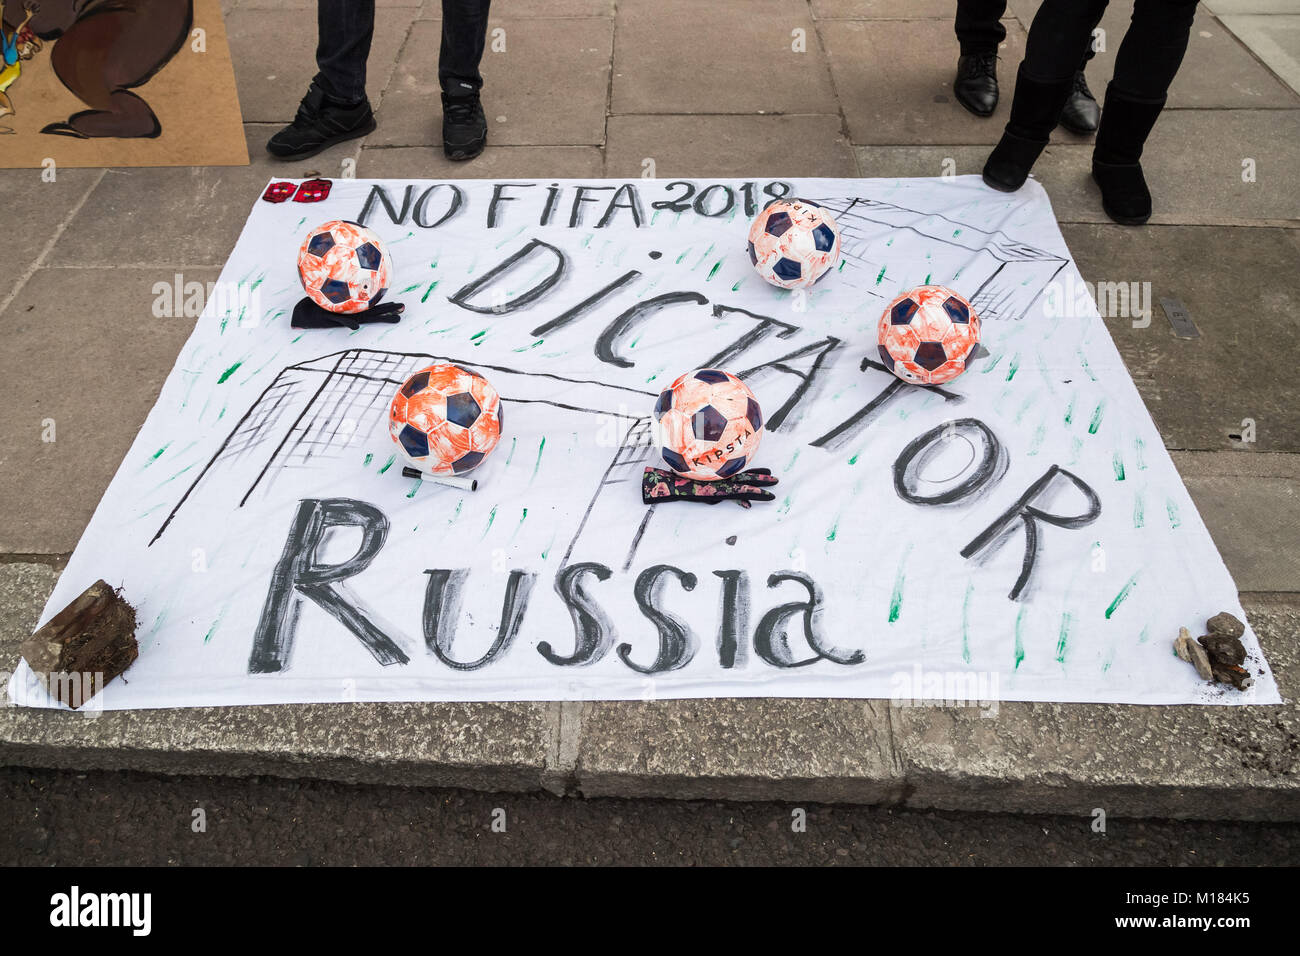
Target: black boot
x=1081 y=113
x=976 y=85
x=1125 y=125
x=1034 y=114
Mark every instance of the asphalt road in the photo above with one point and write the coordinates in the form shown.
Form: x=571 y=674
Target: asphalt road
x=62 y=817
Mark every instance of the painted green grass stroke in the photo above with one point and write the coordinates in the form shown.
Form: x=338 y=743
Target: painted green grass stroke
x=1122 y=596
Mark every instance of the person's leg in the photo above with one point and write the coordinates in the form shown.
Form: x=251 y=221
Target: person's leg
x=979 y=31
x=1153 y=48
x=335 y=108
x=1057 y=41
x=344 y=30
x=1145 y=66
x=978 y=25
x=1081 y=113
x=464 y=34
x=1059 y=37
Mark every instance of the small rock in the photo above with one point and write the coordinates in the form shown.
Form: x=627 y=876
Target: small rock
x=1225 y=623
x=1200 y=660
x=1233 y=675
x=1180 y=645
x=1224 y=649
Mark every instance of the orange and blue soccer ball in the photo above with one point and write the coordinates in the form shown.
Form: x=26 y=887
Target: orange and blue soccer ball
x=794 y=243
x=927 y=335
x=344 y=267
x=445 y=419
x=708 y=425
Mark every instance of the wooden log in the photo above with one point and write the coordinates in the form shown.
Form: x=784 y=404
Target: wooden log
x=84 y=646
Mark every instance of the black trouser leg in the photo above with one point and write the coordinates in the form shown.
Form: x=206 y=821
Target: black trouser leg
x=464 y=34
x=1153 y=48
x=979 y=25
x=344 y=31
x=1060 y=38
x=1145 y=66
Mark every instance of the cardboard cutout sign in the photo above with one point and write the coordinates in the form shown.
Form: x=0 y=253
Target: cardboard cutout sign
x=131 y=83
x=1017 y=533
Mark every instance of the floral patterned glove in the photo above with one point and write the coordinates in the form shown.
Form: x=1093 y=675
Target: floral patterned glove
x=743 y=487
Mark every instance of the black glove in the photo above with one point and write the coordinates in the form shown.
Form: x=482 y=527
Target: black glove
x=742 y=488
x=308 y=315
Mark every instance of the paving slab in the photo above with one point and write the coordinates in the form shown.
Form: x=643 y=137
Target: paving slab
x=883 y=9
x=78 y=320
x=547 y=87
x=1255 y=522
x=894 y=81
x=832 y=751
x=1190 y=185
x=1180 y=762
x=1177 y=762
x=1228 y=464
x=1218 y=72
x=1222 y=67
x=502 y=746
x=1063 y=170
x=749 y=147
x=179 y=216
x=1250 y=6
x=902 y=162
x=1274 y=39
x=891 y=68
x=729 y=56
x=432 y=9
x=45 y=207
x=1200 y=390
x=274 y=54
x=495 y=162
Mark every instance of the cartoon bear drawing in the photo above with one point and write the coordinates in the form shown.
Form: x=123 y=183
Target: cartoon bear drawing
x=104 y=49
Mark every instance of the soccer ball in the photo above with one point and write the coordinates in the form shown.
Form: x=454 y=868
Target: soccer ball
x=794 y=243
x=708 y=424
x=926 y=336
x=344 y=266
x=445 y=419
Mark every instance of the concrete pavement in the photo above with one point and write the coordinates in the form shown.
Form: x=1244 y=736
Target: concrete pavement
x=590 y=87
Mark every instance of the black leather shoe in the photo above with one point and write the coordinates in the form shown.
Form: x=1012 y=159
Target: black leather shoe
x=464 y=127
x=1081 y=114
x=1124 y=193
x=319 y=124
x=976 y=85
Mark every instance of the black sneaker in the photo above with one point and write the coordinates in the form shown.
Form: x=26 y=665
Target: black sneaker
x=321 y=122
x=464 y=127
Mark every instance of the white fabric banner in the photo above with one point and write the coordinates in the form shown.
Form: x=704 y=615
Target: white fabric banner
x=1018 y=534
